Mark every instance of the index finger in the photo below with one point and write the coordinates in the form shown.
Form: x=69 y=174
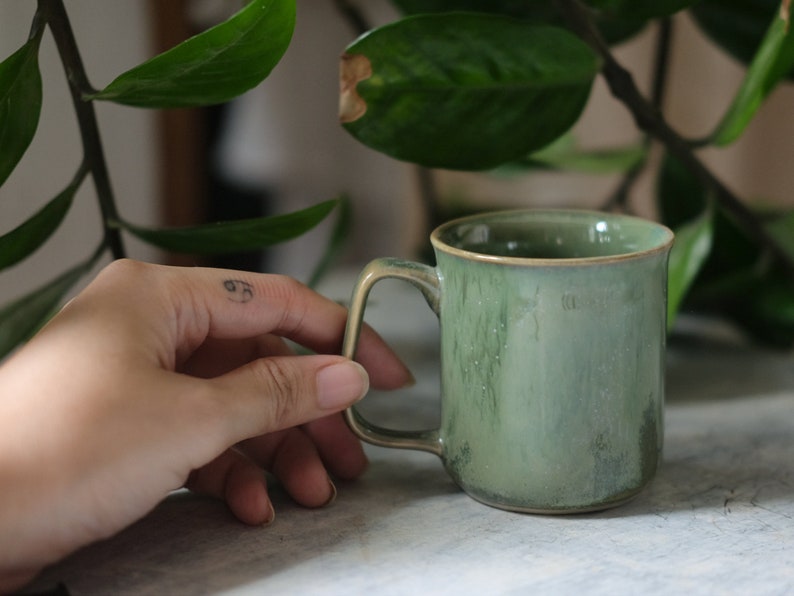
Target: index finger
x=237 y=305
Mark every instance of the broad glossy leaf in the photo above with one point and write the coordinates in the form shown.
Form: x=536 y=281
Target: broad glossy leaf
x=693 y=241
x=684 y=208
x=765 y=310
x=613 y=28
x=645 y=9
x=20 y=104
x=728 y=280
x=563 y=154
x=31 y=234
x=680 y=196
x=462 y=90
x=214 y=66
x=773 y=60
x=542 y=10
x=22 y=318
x=738 y=26
x=782 y=230
x=616 y=29
x=775 y=301
x=233 y=236
x=682 y=199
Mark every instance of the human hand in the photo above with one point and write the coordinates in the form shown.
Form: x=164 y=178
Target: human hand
x=155 y=378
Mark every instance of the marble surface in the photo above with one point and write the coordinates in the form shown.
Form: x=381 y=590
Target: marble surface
x=718 y=518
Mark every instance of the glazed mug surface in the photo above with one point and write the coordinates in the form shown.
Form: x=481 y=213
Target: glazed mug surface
x=553 y=328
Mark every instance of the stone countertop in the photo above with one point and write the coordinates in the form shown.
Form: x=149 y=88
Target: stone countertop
x=718 y=518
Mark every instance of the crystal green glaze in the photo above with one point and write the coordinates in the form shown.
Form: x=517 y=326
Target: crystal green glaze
x=552 y=356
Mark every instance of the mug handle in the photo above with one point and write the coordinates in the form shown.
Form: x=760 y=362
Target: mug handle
x=426 y=280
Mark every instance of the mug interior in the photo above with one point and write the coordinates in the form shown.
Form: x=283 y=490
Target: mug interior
x=551 y=235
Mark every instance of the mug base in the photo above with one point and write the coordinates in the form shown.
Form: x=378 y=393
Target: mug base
x=557 y=510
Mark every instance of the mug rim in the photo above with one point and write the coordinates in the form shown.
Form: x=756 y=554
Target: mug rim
x=439 y=244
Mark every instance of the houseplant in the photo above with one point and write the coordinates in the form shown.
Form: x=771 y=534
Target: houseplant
x=485 y=84
x=213 y=67
x=493 y=86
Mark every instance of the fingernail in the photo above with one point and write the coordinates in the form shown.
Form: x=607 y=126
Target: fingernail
x=340 y=385
x=332 y=498
x=411 y=382
x=270 y=517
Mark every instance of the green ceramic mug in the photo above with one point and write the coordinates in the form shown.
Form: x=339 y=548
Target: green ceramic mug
x=552 y=356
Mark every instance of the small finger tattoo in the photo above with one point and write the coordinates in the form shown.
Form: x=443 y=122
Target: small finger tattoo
x=239 y=290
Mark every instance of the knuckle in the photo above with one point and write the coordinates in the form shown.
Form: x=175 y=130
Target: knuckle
x=123 y=276
x=285 y=387
x=295 y=306
x=125 y=269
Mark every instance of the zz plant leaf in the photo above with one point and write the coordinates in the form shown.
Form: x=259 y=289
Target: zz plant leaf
x=21 y=318
x=214 y=66
x=737 y=26
x=542 y=10
x=31 y=234
x=772 y=62
x=563 y=154
x=767 y=313
x=20 y=104
x=782 y=229
x=645 y=9
x=464 y=91
x=686 y=208
x=233 y=236
x=612 y=27
x=693 y=241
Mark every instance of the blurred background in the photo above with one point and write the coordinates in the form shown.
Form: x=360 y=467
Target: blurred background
x=279 y=148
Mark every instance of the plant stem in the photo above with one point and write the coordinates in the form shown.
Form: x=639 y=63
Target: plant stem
x=353 y=16
x=54 y=13
x=661 y=62
x=649 y=119
x=619 y=198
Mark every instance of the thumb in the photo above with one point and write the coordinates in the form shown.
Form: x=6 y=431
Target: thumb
x=275 y=393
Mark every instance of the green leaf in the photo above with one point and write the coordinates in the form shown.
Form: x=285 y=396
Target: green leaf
x=233 y=236
x=773 y=60
x=339 y=235
x=681 y=197
x=645 y=9
x=738 y=26
x=759 y=300
x=563 y=154
x=692 y=246
x=214 y=66
x=542 y=10
x=21 y=318
x=463 y=90
x=684 y=207
x=768 y=312
x=613 y=28
x=20 y=104
x=782 y=230
x=31 y=234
